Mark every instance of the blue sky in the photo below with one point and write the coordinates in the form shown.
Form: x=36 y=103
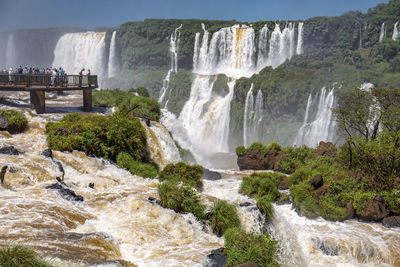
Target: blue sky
x=15 y=14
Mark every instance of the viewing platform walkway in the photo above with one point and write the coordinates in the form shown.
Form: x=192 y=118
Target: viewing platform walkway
x=38 y=84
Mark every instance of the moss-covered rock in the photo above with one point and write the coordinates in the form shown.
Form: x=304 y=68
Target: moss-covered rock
x=182 y=172
x=262 y=185
x=15 y=121
x=126 y=161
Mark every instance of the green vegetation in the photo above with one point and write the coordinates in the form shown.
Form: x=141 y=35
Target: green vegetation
x=17 y=122
x=272 y=147
x=262 y=185
x=179 y=91
x=241 y=247
x=265 y=207
x=125 y=160
x=182 y=172
x=294 y=157
x=141 y=91
x=128 y=102
x=181 y=198
x=21 y=256
x=224 y=216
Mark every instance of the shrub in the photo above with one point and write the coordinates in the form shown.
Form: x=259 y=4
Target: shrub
x=301 y=174
x=274 y=146
x=300 y=192
x=330 y=211
x=98 y=135
x=360 y=199
x=180 y=198
x=142 y=91
x=145 y=107
x=124 y=160
x=17 y=122
x=224 y=216
x=309 y=208
x=240 y=151
x=392 y=200
x=182 y=172
x=265 y=207
x=295 y=158
x=17 y=256
x=284 y=198
x=241 y=247
x=262 y=184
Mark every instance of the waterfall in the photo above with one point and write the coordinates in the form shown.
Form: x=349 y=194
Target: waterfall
x=75 y=51
x=262 y=47
x=113 y=68
x=253 y=115
x=173 y=50
x=383 y=33
x=299 y=48
x=323 y=126
x=360 y=42
x=395 y=31
x=162 y=147
x=248 y=115
x=11 y=54
x=281 y=45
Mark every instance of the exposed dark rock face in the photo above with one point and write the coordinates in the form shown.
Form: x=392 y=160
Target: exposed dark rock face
x=391 y=221
x=211 y=175
x=375 y=209
x=317 y=181
x=326 y=149
x=245 y=204
x=48 y=153
x=283 y=184
x=9 y=150
x=217 y=258
x=91 y=185
x=350 y=210
x=3 y=173
x=65 y=191
x=252 y=160
x=272 y=160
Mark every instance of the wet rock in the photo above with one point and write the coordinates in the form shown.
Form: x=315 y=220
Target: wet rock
x=325 y=247
x=247 y=264
x=3 y=173
x=283 y=184
x=217 y=258
x=3 y=123
x=211 y=175
x=245 y=204
x=350 y=210
x=272 y=160
x=252 y=160
x=91 y=185
x=391 y=221
x=375 y=209
x=9 y=150
x=317 y=181
x=325 y=149
x=48 y=153
x=65 y=192
x=60 y=167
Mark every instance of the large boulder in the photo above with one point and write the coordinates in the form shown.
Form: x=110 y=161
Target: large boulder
x=65 y=191
x=374 y=210
x=350 y=210
x=272 y=160
x=9 y=150
x=391 y=221
x=252 y=160
x=325 y=149
x=211 y=175
x=217 y=258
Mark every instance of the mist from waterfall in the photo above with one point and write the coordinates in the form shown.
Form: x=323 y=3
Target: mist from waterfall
x=113 y=67
x=395 y=31
x=322 y=128
x=382 y=35
x=11 y=53
x=75 y=51
x=173 y=50
x=253 y=115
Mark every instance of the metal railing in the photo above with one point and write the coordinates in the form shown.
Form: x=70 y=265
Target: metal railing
x=47 y=80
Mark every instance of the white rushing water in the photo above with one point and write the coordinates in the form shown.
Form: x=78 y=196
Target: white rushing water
x=75 y=51
x=395 y=31
x=113 y=67
x=11 y=53
x=360 y=44
x=299 y=49
x=382 y=34
x=253 y=115
x=322 y=128
x=173 y=50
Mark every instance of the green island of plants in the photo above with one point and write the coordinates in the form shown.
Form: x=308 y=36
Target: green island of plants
x=21 y=256
x=17 y=122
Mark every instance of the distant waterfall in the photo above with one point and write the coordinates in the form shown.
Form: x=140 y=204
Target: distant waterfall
x=299 y=49
x=322 y=128
x=234 y=52
x=395 y=32
x=11 y=54
x=113 y=67
x=253 y=115
x=360 y=45
x=173 y=50
x=383 y=33
x=75 y=51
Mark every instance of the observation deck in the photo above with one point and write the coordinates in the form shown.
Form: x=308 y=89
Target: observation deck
x=38 y=84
